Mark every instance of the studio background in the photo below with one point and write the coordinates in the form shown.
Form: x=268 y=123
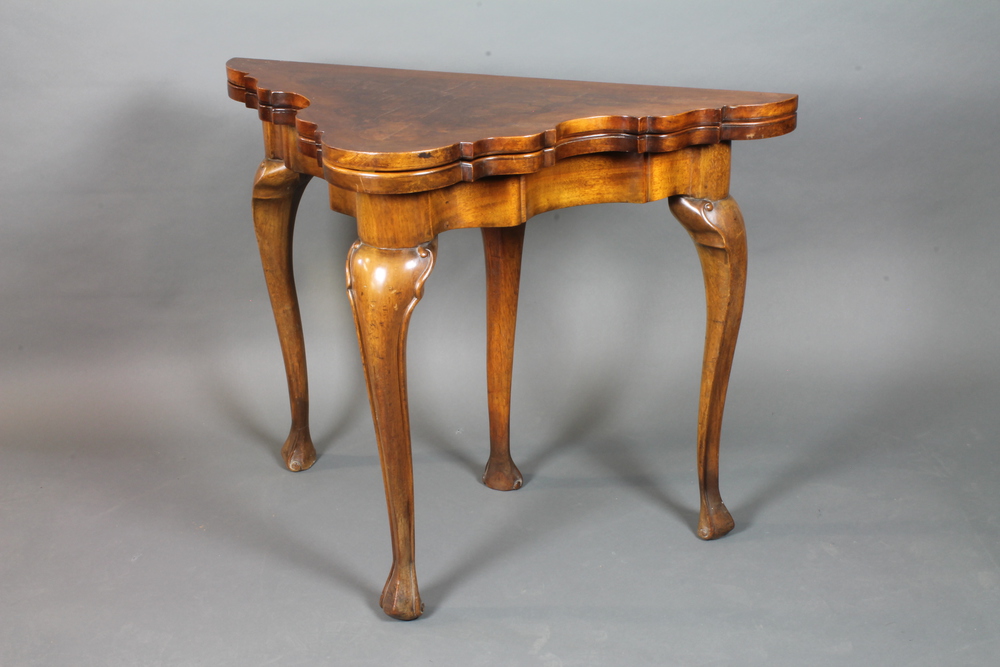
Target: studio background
x=144 y=516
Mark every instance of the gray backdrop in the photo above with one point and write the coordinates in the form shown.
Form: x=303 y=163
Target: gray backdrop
x=144 y=519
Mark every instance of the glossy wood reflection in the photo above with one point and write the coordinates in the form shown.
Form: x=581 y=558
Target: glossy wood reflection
x=384 y=285
x=719 y=235
x=276 y=194
x=411 y=155
x=391 y=131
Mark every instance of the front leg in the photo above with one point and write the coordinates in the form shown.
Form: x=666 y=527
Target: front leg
x=276 y=194
x=719 y=235
x=384 y=285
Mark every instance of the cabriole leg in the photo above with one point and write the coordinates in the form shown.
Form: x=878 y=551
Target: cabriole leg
x=276 y=194
x=719 y=235
x=502 y=247
x=384 y=285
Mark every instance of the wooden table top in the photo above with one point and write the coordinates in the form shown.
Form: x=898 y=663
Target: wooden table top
x=377 y=120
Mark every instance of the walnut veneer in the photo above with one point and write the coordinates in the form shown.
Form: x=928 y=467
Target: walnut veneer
x=411 y=154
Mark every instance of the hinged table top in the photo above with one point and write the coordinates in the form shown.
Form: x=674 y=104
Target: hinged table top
x=436 y=128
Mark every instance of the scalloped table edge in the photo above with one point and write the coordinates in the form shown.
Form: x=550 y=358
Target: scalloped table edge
x=415 y=171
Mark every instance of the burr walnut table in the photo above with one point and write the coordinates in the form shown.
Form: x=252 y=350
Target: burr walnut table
x=410 y=154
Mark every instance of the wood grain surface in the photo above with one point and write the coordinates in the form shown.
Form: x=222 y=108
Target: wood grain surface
x=414 y=130
x=408 y=154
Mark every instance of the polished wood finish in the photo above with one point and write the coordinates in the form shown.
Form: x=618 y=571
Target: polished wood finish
x=276 y=194
x=412 y=154
x=384 y=285
x=718 y=233
x=391 y=131
x=502 y=248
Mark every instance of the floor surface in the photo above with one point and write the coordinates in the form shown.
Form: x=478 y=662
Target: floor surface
x=146 y=521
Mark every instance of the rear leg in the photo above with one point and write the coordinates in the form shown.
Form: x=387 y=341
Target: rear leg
x=502 y=247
